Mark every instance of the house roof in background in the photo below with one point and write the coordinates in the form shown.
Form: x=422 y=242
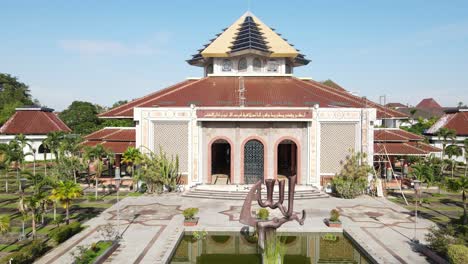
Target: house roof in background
x=275 y=91
x=428 y=103
x=395 y=105
x=457 y=121
x=33 y=120
x=424 y=113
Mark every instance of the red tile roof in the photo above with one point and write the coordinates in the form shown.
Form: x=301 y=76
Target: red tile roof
x=112 y=138
x=428 y=103
x=33 y=121
x=395 y=105
x=457 y=121
x=403 y=149
x=395 y=141
x=260 y=91
x=395 y=134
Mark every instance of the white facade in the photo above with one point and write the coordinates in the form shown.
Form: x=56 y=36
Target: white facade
x=249 y=65
x=36 y=142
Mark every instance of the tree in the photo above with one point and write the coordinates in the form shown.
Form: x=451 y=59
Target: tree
x=352 y=179
x=132 y=157
x=4 y=224
x=446 y=135
x=65 y=192
x=119 y=103
x=453 y=151
x=52 y=143
x=13 y=94
x=81 y=117
x=32 y=205
x=460 y=185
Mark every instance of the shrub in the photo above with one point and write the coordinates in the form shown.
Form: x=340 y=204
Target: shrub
x=457 y=254
x=352 y=179
x=27 y=254
x=63 y=233
x=263 y=214
x=334 y=215
x=189 y=213
x=58 y=220
x=440 y=238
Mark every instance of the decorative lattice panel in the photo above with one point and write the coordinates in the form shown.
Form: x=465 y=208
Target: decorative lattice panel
x=253 y=161
x=172 y=136
x=336 y=139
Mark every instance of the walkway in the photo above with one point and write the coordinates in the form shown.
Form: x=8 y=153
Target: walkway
x=152 y=225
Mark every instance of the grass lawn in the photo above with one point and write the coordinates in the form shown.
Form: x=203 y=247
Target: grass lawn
x=440 y=209
x=9 y=248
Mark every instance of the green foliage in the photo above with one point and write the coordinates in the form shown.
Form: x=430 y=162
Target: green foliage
x=81 y=117
x=263 y=214
x=458 y=254
x=27 y=254
x=275 y=250
x=87 y=255
x=330 y=237
x=352 y=179
x=61 y=234
x=190 y=213
x=460 y=185
x=4 y=224
x=116 y=123
x=420 y=126
x=440 y=238
x=58 y=220
x=13 y=94
x=334 y=215
x=199 y=235
x=159 y=171
x=65 y=192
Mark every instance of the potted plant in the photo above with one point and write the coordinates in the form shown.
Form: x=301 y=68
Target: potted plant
x=189 y=216
x=263 y=214
x=334 y=220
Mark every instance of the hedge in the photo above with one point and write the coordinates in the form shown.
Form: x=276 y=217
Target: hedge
x=27 y=254
x=458 y=254
x=63 y=233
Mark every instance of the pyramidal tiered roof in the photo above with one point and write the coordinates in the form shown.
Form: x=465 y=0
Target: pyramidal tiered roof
x=248 y=34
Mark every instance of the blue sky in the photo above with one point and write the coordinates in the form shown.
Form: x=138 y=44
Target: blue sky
x=105 y=51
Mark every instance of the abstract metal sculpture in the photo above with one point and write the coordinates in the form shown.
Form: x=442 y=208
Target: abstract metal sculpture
x=267 y=228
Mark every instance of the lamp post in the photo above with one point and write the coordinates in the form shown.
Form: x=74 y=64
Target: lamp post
x=117 y=180
x=417 y=185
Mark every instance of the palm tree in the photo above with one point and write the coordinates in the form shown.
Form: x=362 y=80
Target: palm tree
x=65 y=192
x=70 y=145
x=52 y=142
x=4 y=224
x=460 y=185
x=445 y=135
x=99 y=166
x=132 y=156
x=32 y=205
x=453 y=151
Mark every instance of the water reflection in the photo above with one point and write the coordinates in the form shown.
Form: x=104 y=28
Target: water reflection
x=229 y=248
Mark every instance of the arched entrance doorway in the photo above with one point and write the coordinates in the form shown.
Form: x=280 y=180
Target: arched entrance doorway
x=221 y=161
x=286 y=165
x=253 y=161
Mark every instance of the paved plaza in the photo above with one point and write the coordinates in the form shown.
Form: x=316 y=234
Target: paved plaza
x=152 y=225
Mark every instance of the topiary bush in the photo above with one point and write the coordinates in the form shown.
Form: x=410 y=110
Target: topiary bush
x=263 y=214
x=334 y=215
x=61 y=234
x=458 y=254
x=190 y=213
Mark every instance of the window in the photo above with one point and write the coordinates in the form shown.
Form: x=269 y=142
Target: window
x=209 y=69
x=42 y=149
x=257 y=64
x=227 y=65
x=288 y=68
x=242 y=67
x=272 y=66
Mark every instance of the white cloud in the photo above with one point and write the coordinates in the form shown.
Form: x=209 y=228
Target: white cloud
x=115 y=48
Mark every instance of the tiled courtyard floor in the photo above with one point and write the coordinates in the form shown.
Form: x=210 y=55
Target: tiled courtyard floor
x=152 y=225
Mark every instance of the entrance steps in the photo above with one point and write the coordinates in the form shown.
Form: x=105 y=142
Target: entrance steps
x=238 y=192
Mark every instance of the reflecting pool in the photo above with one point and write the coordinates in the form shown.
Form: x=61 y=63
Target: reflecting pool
x=227 y=248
